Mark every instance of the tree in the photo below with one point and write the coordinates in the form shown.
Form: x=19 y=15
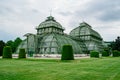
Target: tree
x=10 y=43
x=115 y=45
x=2 y=44
x=16 y=43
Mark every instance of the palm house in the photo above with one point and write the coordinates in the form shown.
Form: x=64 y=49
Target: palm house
x=50 y=38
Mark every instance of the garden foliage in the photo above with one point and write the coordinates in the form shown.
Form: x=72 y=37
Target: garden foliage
x=105 y=54
x=7 y=52
x=94 y=54
x=116 y=53
x=67 y=53
x=22 y=53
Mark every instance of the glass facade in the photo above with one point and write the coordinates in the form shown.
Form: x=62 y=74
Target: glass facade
x=50 y=38
x=52 y=44
x=91 y=38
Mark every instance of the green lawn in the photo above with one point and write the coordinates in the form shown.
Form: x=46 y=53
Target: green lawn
x=53 y=69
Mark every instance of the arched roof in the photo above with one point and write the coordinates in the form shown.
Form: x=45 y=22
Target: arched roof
x=83 y=30
x=50 y=22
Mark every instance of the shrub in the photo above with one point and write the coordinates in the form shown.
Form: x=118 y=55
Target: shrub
x=7 y=52
x=115 y=53
x=105 y=53
x=67 y=52
x=94 y=54
x=22 y=53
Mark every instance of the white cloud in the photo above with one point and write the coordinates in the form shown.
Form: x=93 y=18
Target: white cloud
x=18 y=17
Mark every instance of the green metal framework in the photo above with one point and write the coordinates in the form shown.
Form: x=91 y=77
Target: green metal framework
x=52 y=44
x=50 y=38
x=91 y=38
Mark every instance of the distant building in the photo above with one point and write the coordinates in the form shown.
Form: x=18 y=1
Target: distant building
x=107 y=43
x=50 y=38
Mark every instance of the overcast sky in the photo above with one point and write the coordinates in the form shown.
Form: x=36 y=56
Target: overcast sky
x=18 y=17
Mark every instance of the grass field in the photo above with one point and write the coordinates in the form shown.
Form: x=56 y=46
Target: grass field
x=54 y=69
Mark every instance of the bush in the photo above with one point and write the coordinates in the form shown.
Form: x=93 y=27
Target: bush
x=67 y=53
x=22 y=53
x=94 y=54
x=7 y=52
x=116 y=53
x=105 y=53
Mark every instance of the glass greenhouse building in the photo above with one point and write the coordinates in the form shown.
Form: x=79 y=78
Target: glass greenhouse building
x=50 y=38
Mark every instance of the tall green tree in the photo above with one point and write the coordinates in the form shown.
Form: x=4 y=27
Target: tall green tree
x=2 y=44
x=116 y=44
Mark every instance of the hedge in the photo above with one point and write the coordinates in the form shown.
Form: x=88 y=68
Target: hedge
x=105 y=54
x=22 y=53
x=115 y=53
x=67 y=52
x=94 y=54
x=7 y=52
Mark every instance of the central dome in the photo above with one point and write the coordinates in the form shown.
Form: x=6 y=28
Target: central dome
x=50 y=22
x=50 y=25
